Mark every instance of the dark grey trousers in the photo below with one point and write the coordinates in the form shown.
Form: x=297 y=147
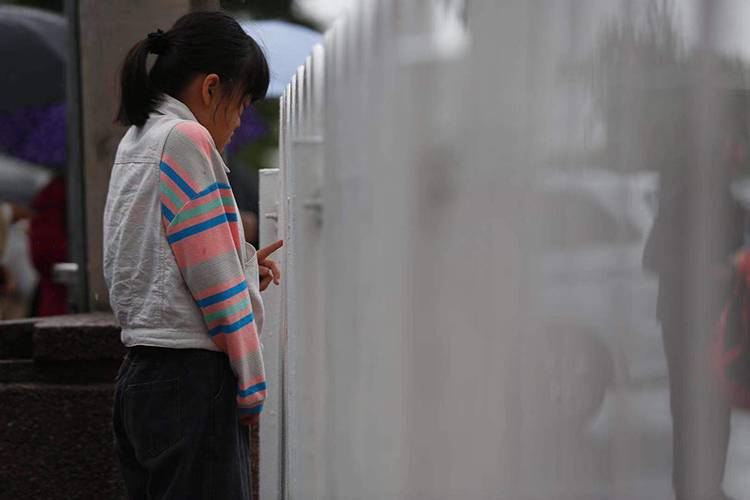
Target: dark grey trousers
x=176 y=426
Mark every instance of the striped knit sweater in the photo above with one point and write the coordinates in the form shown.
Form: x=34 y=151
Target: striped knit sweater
x=178 y=271
x=202 y=226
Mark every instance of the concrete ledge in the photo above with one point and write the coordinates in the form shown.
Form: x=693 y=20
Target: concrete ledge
x=16 y=370
x=57 y=441
x=58 y=372
x=56 y=390
x=16 y=338
x=80 y=337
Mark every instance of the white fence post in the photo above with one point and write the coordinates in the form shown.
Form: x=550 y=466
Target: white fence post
x=271 y=429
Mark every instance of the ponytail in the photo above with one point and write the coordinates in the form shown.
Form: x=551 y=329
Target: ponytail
x=138 y=97
x=199 y=42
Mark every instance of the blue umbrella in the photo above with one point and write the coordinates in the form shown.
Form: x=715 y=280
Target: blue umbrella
x=286 y=47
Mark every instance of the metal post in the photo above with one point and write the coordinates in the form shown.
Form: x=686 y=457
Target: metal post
x=76 y=213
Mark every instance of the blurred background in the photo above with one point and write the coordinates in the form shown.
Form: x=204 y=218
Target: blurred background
x=42 y=265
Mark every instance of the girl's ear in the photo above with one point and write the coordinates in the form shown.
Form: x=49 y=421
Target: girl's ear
x=210 y=88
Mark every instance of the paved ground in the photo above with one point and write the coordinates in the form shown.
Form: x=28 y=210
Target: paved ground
x=625 y=453
x=634 y=462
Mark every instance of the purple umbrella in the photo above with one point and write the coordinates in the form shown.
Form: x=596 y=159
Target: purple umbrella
x=37 y=135
x=251 y=129
x=33 y=51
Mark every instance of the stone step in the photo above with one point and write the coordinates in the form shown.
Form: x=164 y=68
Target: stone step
x=61 y=372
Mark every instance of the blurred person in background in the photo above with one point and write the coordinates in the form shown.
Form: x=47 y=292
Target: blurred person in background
x=49 y=246
x=6 y=281
x=16 y=277
x=700 y=413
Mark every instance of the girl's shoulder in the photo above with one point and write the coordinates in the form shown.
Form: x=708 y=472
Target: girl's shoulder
x=190 y=137
x=190 y=145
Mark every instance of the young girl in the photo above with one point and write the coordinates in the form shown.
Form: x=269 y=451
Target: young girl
x=182 y=282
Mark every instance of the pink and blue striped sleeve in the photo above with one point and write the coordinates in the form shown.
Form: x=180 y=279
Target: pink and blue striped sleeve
x=202 y=227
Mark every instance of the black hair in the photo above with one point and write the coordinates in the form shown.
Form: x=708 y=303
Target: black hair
x=199 y=42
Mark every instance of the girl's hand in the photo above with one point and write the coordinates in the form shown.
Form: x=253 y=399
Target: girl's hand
x=268 y=269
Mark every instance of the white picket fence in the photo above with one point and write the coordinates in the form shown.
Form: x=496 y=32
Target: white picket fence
x=344 y=208
x=401 y=351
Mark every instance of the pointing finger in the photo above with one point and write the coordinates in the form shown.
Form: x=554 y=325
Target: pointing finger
x=264 y=252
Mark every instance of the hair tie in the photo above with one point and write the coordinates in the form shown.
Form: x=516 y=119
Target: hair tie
x=157 y=42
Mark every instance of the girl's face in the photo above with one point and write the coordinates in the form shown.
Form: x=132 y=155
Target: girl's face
x=225 y=117
x=215 y=108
